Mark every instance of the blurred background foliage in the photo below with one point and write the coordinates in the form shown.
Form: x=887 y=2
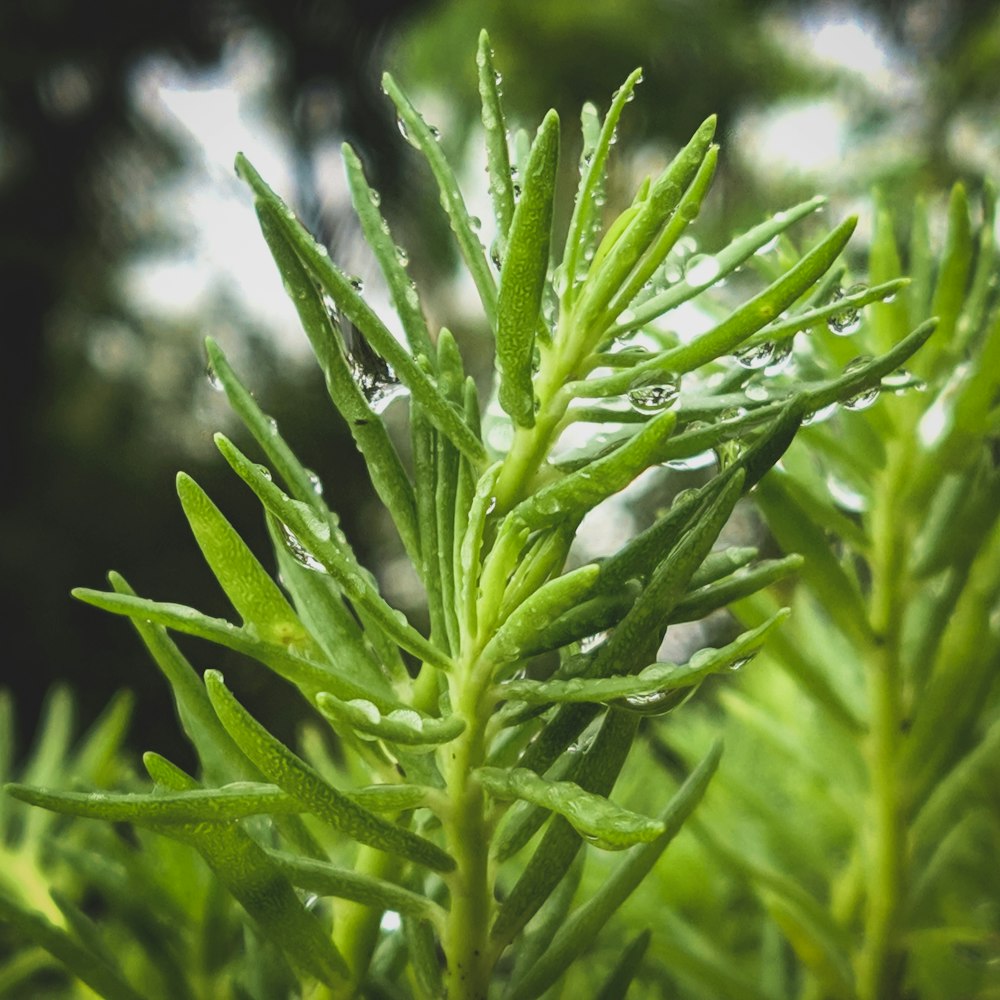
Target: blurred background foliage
x=125 y=240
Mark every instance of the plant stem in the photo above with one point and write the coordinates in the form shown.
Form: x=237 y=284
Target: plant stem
x=466 y=831
x=880 y=962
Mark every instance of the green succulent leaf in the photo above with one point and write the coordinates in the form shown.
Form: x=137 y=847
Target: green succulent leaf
x=497 y=151
x=522 y=277
x=402 y=725
x=599 y=820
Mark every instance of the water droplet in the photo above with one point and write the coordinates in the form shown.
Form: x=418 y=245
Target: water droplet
x=866 y=397
x=901 y=380
x=407 y=717
x=356 y=283
x=402 y=257
x=299 y=552
x=495 y=254
x=845 y=496
x=756 y=392
x=497 y=77
x=692 y=463
x=374 y=197
x=213 y=378
x=314 y=482
x=272 y=426
x=741 y=662
x=311 y=901
x=491 y=506
x=769 y=247
x=846 y=322
x=368 y=709
x=701 y=270
x=590 y=642
x=390 y=922
x=435 y=132
x=654 y=392
x=475 y=223
x=862 y=400
x=374 y=376
x=405 y=133
x=821 y=415
x=782 y=356
x=756 y=356
x=657 y=703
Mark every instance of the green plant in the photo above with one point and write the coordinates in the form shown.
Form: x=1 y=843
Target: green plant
x=472 y=765
x=859 y=803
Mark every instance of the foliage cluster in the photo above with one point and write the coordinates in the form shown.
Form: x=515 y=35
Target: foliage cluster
x=427 y=837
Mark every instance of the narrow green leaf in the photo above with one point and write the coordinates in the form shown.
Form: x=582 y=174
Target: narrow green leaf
x=588 y=618
x=255 y=596
x=698 y=603
x=401 y=725
x=420 y=135
x=722 y=563
x=615 y=987
x=547 y=603
x=300 y=780
x=953 y=275
x=470 y=547
x=522 y=277
x=297 y=478
x=234 y=801
x=550 y=917
x=809 y=318
x=91 y=969
x=391 y=259
x=310 y=675
x=325 y=879
x=497 y=153
x=582 y=927
x=585 y=222
x=284 y=233
x=595 y=817
x=634 y=641
x=653 y=680
x=326 y=547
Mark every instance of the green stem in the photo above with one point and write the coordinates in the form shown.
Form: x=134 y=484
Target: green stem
x=880 y=961
x=467 y=834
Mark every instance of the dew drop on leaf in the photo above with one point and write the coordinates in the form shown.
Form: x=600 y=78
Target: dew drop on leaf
x=846 y=322
x=756 y=356
x=590 y=642
x=298 y=551
x=821 y=415
x=702 y=269
x=654 y=393
x=213 y=378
